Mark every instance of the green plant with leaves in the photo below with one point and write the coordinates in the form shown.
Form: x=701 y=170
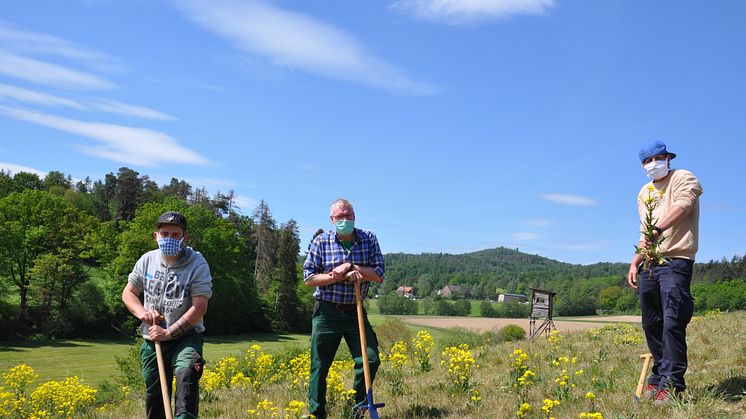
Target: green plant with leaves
x=650 y=252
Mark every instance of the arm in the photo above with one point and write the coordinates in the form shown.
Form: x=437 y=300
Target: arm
x=184 y=324
x=633 y=271
x=338 y=274
x=131 y=299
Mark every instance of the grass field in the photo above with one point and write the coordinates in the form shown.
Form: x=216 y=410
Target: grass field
x=587 y=371
x=94 y=360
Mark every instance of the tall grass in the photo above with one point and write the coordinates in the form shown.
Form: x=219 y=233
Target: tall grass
x=589 y=372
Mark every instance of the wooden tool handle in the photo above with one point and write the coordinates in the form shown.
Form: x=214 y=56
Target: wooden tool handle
x=361 y=330
x=643 y=373
x=164 y=383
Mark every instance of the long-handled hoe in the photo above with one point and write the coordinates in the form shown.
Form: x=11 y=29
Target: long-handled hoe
x=371 y=407
x=643 y=374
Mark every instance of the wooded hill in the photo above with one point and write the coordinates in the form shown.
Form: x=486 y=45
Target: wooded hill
x=67 y=247
x=582 y=289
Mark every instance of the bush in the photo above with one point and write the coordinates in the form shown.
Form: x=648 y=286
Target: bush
x=510 y=333
x=486 y=309
x=442 y=308
x=462 y=308
x=394 y=304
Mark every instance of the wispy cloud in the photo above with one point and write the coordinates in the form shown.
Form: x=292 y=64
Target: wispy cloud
x=526 y=236
x=298 y=41
x=577 y=200
x=114 y=106
x=457 y=12
x=41 y=72
x=538 y=223
x=9 y=92
x=246 y=204
x=15 y=168
x=36 y=98
x=129 y=145
x=27 y=42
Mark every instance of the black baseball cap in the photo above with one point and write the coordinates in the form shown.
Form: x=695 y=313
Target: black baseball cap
x=172 y=218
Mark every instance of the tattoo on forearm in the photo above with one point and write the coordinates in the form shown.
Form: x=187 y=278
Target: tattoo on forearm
x=180 y=327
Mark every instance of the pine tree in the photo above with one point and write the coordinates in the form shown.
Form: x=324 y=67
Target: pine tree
x=266 y=244
x=286 y=302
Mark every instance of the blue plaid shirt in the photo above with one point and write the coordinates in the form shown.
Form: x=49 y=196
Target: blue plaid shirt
x=327 y=253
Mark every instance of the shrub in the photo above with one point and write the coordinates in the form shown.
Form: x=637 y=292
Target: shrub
x=462 y=308
x=511 y=332
x=486 y=309
x=394 y=304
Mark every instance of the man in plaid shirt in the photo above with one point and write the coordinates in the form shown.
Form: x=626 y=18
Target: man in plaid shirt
x=336 y=260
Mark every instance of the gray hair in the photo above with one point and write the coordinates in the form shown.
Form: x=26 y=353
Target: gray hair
x=341 y=202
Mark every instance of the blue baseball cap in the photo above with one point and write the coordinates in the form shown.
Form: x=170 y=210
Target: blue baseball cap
x=654 y=148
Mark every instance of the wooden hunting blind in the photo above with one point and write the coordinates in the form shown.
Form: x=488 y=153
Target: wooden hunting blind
x=542 y=303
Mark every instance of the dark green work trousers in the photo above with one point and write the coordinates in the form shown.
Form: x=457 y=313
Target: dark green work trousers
x=330 y=325
x=182 y=357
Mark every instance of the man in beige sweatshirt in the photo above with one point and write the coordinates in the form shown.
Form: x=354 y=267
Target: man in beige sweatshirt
x=665 y=298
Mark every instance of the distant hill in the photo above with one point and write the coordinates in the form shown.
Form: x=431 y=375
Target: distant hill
x=498 y=263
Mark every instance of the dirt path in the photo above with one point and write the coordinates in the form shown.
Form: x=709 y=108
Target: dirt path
x=483 y=324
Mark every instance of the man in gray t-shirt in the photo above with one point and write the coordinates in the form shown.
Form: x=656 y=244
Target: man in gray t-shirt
x=176 y=284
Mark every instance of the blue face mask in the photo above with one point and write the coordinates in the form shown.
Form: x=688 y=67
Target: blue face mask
x=170 y=246
x=345 y=227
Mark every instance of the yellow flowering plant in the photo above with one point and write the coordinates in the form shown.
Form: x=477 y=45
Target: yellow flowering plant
x=396 y=361
x=461 y=365
x=422 y=347
x=651 y=251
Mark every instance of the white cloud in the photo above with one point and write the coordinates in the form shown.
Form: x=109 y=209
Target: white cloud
x=466 y=11
x=15 y=168
x=15 y=39
x=526 y=236
x=9 y=92
x=28 y=96
x=297 y=41
x=113 y=106
x=538 y=223
x=129 y=145
x=577 y=200
x=41 y=72
x=246 y=204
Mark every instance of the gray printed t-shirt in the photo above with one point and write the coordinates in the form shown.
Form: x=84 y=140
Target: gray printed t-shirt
x=189 y=276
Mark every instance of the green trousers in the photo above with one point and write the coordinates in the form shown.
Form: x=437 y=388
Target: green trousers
x=181 y=357
x=329 y=326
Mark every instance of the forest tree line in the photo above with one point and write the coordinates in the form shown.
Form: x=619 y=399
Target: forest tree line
x=67 y=247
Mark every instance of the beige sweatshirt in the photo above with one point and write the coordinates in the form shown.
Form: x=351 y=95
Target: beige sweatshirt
x=682 y=189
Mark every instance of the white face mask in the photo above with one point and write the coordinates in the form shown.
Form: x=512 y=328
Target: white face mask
x=656 y=169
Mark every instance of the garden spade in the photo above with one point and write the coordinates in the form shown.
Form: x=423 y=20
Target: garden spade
x=371 y=407
x=643 y=374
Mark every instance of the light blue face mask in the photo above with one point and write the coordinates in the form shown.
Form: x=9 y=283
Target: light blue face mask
x=170 y=246
x=345 y=227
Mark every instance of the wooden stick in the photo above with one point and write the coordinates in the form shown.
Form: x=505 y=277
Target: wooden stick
x=363 y=342
x=164 y=383
x=643 y=373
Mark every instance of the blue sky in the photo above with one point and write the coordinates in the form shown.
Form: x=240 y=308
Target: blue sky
x=453 y=126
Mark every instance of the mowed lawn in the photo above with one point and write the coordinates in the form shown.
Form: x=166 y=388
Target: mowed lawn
x=94 y=361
